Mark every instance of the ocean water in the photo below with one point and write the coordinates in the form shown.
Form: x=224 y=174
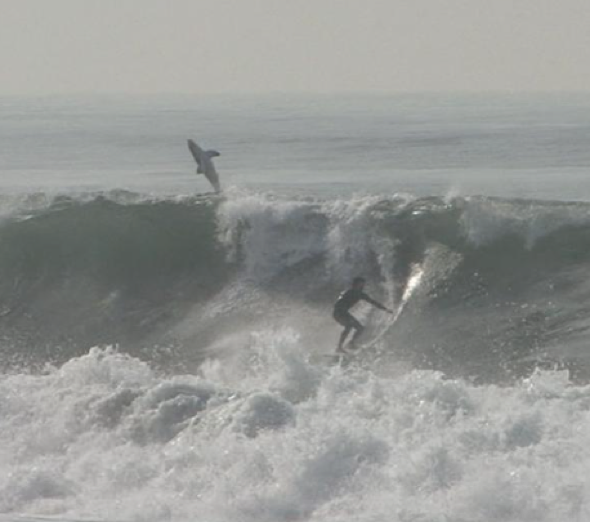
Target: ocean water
x=164 y=350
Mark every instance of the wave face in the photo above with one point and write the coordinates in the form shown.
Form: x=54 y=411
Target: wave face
x=78 y=273
x=482 y=287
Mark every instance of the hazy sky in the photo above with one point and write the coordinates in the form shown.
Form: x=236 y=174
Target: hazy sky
x=63 y=46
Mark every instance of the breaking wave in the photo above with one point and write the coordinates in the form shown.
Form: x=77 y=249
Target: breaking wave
x=161 y=359
x=483 y=287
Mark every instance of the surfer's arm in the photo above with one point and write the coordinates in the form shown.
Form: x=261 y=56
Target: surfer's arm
x=376 y=304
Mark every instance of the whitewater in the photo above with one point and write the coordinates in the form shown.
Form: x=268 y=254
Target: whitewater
x=164 y=351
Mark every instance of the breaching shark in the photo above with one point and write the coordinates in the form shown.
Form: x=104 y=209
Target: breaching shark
x=205 y=163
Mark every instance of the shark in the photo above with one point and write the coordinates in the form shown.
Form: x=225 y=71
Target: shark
x=204 y=159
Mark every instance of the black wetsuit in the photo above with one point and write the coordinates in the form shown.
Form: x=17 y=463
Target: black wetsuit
x=345 y=302
x=342 y=314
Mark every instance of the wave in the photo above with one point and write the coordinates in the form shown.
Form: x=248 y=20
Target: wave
x=101 y=271
x=483 y=287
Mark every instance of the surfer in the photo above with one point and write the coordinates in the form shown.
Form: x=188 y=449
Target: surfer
x=205 y=163
x=345 y=302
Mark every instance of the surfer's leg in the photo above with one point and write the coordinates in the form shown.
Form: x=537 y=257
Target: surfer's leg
x=358 y=330
x=343 y=319
x=343 y=337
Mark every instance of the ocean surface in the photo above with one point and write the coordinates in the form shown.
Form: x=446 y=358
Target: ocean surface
x=164 y=351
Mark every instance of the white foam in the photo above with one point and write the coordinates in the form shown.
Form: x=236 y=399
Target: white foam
x=276 y=438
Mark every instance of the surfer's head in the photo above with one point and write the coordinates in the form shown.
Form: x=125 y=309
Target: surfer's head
x=358 y=282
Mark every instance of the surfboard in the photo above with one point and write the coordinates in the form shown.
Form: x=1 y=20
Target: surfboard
x=363 y=350
x=416 y=274
x=337 y=359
